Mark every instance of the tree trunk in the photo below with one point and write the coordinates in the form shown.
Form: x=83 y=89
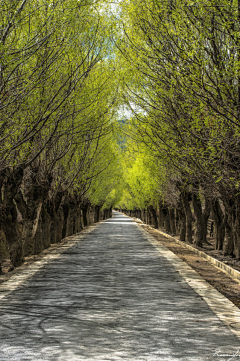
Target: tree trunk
x=38 y=245
x=46 y=227
x=78 y=223
x=166 y=219
x=182 y=223
x=10 y=180
x=172 y=220
x=149 y=217
x=107 y=213
x=153 y=212
x=84 y=209
x=198 y=235
x=139 y=213
x=177 y=221
x=219 y=225
x=228 y=245
x=96 y=213
x=65 y=218
x=206 y=215
x=70 y=226
x=237 y=228
x=13 y=236
x=161 y=215
x=30 y=198
x=185 y=197
x=144 y=218
x=90 y=215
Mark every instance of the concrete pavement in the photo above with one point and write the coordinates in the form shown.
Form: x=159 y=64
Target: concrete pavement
x=113 y=296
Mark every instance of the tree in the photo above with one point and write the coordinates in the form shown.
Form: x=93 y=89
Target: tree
x=56 y=100
x=184 y=61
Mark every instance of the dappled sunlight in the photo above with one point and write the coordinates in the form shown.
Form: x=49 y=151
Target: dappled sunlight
x=112 y=296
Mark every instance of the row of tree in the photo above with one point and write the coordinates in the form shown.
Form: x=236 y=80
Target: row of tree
x=57 y=97
x=68 y=66
x=181 y=80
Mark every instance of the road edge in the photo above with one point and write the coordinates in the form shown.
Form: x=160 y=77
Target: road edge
x=223 y=308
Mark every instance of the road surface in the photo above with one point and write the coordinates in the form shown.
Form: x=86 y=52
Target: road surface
x=111 y=296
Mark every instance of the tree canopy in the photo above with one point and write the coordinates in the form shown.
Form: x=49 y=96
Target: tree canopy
x=134 y=105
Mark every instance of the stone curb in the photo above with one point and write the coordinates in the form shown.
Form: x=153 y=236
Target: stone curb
x=215 y=262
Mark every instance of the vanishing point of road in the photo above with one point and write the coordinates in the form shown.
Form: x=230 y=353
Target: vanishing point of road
x=112 y=295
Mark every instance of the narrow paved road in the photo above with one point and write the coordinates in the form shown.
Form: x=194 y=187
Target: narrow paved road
x=112 y=296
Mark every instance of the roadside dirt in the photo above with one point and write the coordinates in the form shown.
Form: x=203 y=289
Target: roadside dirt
x=218 y=279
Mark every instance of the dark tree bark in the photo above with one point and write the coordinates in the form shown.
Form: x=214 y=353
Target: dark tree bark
x=107 y=213
x=149 y=217
x=219 y=225
x=56 y=218
x=228 y=245
x=161 y=215
x=46 y=227
x=84 y=208
x=172 y=220
x=96 y=214
x=144 y=218
x=182 y=223
x=10 y=180
x=237 y=229
x=38 y=238
x=198 y=236
x=70 y=230
x=228 y=199
x=65 y=208
x=153 y=213
x=177 y=221
x=166 y=219
x=206 y=215
x=13 y=235
x=185 y=198
x=78 y=222
x=30 y=199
